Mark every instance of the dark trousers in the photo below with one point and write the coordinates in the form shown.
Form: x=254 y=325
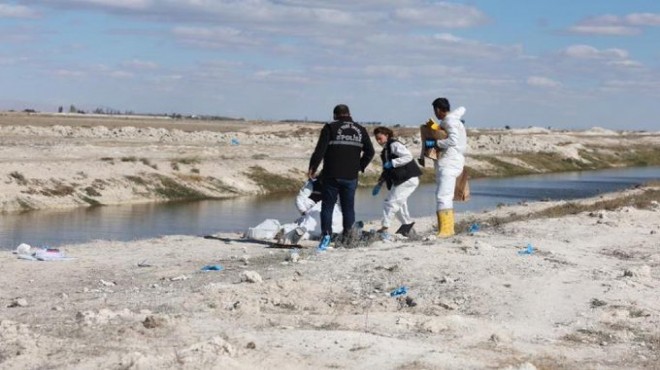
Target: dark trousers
x=345 y=189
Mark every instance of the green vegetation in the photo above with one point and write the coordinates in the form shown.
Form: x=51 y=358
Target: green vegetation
x=92 y=192
x=187 y=160
x=20 y=179
x=169 y=188
x=92 y=202
x=137 y=180
x=270 y=182
x=25 y=204
x=218 y=185
x=641 y=201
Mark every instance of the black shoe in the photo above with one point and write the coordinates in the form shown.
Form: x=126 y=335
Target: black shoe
x=405 y=229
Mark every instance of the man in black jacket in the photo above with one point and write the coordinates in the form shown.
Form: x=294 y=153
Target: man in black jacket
x=345 y=149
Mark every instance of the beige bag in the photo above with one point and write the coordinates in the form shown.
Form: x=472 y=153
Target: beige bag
x=462 y=190
x=428 y=132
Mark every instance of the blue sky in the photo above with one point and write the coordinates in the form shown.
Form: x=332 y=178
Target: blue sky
x=565 y=64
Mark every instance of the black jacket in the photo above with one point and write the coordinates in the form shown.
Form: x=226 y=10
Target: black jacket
x=345 y=149
x=397 y=175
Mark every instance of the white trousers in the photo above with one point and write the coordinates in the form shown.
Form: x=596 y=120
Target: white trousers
x=396 y=202
x=447 y=170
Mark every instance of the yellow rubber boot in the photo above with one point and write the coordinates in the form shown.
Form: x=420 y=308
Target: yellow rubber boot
x=445 y=223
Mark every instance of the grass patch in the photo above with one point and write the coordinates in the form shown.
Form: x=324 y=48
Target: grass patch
x=60 y=190
x=90 y=201
x=20 y=179
x=270 y=182
x=171 y=189
x=644 y=200
x=137 y=180
x=219 y=185
x=92 y=192
x=503 y=168
x=25 y=205
x=129 y=159
x=147 y=162
x=552 y=162
x=187 y=160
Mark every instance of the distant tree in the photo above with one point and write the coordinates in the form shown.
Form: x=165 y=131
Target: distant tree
x=60 y=109
x=507 y=127
x=72 y=109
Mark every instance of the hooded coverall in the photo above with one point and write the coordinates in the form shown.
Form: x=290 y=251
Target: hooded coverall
x=450 y=165
x=396 y=202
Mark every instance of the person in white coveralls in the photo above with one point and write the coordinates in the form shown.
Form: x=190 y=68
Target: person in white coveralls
x=401 y=176
x=450 y=164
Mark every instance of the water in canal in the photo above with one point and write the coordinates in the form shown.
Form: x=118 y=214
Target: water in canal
x=129 y=222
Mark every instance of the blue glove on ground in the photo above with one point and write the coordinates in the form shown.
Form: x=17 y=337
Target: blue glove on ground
x=429 y=144
x=376 y=189
x=388 y=165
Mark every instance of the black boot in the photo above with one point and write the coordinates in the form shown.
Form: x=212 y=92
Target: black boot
x=405 y=229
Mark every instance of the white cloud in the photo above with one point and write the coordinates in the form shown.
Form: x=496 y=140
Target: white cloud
x=605 y=30
x=140 y=64
x=643 y=19
x=544 y=82
x=611 y=25
x=590 y=52
x=281 y=76
x=441 y=14
x=625 y=63
x=67 y=73
x=214 y=37
x=17 y=11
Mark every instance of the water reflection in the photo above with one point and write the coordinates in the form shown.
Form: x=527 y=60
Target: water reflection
x=57 y=227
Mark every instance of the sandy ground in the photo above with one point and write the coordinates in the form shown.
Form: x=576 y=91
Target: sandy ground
x=586 y=298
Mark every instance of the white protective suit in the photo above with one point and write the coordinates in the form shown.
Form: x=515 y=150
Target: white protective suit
x=450 y=165
x=396 y=202
x=311 y=213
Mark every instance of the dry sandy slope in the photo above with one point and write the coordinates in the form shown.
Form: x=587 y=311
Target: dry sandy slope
x=71 y=161
x=586 y=298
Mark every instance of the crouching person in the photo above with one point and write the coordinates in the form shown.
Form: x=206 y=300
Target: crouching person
x=308 y=203
x=401 y=176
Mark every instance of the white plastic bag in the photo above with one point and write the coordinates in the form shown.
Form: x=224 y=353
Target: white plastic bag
x=264 y=231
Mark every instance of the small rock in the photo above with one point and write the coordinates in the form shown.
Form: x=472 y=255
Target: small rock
x=445 y=304
x=179 y=278
x=410 y=302
x=640 y=272
x=251 y=345
x=251 y=277
x=107 y=283
x=152 y=322
x=18 y=302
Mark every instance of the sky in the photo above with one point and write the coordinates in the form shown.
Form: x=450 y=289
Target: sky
x=562 y=64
